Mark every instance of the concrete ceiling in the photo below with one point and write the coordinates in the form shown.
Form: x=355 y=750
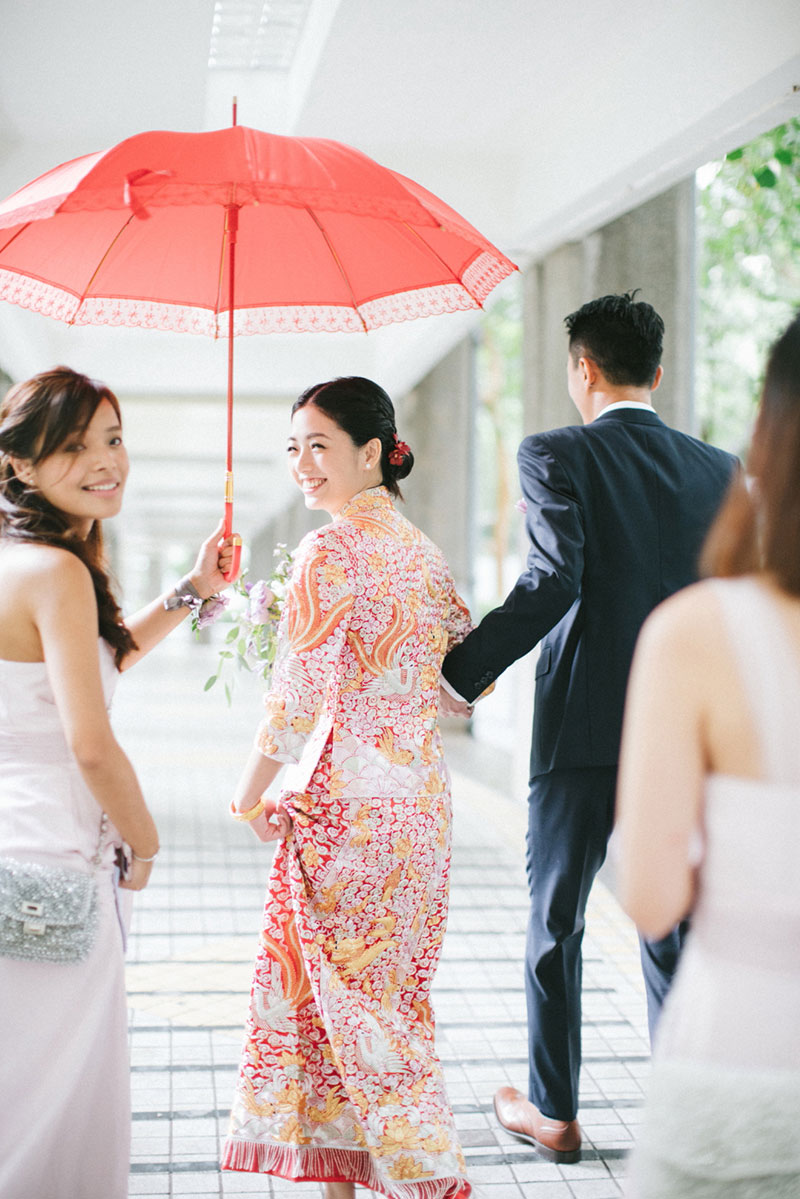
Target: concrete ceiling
x=537 y=121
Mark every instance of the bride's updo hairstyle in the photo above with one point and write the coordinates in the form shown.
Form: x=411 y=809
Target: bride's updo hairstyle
x=36 y=418
x=363 y=410
x=759 y=529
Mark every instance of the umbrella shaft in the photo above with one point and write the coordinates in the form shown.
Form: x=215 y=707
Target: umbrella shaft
x=231 y=231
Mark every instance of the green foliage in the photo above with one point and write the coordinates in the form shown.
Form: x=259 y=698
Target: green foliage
x=253 y=636
x=748 y=275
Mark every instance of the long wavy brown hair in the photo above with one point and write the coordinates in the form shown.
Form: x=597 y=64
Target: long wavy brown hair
x=758 y=529
x=36 y=418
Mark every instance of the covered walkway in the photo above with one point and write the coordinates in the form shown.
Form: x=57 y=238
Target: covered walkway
x=194 y=939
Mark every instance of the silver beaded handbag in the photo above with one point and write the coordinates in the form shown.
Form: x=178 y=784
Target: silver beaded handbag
x=48 y=913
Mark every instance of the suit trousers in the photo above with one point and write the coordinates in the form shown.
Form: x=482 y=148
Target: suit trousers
x=570 y=818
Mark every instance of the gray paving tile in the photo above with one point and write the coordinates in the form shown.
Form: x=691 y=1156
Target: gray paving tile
x=204 y=907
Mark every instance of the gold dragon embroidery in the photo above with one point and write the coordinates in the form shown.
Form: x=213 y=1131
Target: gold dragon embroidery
x=308 y=625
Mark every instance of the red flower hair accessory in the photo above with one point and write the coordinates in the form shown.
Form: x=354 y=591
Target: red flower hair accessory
x=399 y=453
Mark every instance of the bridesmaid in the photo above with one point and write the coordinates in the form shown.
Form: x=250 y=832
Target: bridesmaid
x=709 y=805
x=69 y=796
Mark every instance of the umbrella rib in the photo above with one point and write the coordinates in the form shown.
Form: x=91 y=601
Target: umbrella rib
x=340 y=268
x=80 y=298
x=439 y=259
x=220 y=277
x=99 y=266
x=14 y=236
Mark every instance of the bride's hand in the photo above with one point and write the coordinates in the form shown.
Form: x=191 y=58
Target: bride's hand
x=273 y=823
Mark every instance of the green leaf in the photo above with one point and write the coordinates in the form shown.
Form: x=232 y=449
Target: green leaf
x=210 y=682
x=231 y=635
x=735 y=155
x=765 y=177
x=225 y=653
x=228 y=694
x=784 y=157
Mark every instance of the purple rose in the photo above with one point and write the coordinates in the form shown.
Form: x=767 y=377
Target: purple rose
x=210 y=609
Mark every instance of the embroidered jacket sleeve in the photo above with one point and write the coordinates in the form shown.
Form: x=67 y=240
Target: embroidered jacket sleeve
x=312 y=636
x=458 y=622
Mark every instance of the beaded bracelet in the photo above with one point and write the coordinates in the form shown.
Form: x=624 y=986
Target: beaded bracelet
x=251 y=813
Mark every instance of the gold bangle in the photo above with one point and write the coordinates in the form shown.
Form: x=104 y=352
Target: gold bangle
x=251 y=813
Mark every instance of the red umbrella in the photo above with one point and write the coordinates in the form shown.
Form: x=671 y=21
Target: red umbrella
x=146 y=234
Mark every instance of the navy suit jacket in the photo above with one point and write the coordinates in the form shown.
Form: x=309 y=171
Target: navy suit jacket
x=617 y=513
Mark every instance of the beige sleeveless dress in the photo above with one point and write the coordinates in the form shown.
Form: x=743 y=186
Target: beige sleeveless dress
x=64 y=1077
x=723 y=1107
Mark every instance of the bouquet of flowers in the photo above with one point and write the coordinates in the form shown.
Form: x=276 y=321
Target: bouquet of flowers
x=252 y=641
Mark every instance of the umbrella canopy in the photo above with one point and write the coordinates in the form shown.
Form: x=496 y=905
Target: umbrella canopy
x=146 y=234
x=328 y=239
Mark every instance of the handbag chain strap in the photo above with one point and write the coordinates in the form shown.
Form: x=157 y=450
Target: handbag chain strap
x=98 y=855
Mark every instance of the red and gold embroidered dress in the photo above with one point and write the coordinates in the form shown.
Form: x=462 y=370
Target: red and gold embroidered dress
x=339 y=1077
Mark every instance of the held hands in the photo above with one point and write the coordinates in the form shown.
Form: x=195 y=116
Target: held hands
x=213 y=562
x=450 y=706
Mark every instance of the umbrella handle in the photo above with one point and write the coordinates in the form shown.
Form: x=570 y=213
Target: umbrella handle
x=230 y=575
x=227 y=529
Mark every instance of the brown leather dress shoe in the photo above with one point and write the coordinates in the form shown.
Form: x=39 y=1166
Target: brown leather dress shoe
x=556 y=1140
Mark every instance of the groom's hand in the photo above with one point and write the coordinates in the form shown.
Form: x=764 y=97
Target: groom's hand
x=450 y=706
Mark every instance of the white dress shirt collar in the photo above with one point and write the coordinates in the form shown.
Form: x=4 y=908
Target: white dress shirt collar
x=625 y=404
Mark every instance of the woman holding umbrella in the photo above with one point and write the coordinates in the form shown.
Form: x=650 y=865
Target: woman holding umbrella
x=72 y=815
x=339 y=1080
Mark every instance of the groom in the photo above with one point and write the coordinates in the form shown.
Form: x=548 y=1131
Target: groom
x=617 y=510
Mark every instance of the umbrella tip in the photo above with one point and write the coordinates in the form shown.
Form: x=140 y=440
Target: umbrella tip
x=235 y=105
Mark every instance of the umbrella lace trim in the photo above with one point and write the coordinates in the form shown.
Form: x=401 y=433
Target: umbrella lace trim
x=482 y=274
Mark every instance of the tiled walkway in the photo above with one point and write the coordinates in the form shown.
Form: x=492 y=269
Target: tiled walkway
x=194 y=938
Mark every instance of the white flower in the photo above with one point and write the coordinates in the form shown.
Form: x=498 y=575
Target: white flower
x=252 y=641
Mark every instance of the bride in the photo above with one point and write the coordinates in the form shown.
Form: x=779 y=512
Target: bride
x=339 y=1080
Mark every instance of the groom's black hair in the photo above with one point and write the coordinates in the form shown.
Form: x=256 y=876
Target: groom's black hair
x=622 y=335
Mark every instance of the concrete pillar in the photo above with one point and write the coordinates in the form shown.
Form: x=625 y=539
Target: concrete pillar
x=551 y=289
x=437 y=419
x=651 y=248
